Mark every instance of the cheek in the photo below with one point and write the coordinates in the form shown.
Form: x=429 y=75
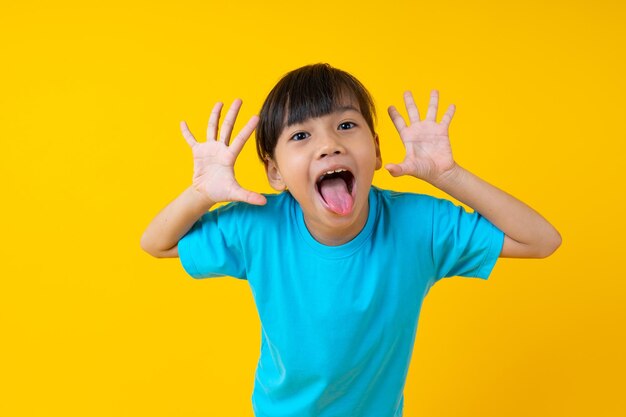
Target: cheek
x=294 y=172
x=369 y=154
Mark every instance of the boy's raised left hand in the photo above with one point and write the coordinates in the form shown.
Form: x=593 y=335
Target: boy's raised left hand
x=428 y=151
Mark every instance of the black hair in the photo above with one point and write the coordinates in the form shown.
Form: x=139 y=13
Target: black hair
x=308 y=92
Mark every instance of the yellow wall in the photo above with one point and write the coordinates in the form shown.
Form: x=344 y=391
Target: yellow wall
x=90 y=101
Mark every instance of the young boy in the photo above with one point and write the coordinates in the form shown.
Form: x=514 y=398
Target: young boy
x=338 y=268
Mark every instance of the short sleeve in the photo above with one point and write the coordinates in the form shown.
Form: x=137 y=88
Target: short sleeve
x=464 y=244
x=213 y=247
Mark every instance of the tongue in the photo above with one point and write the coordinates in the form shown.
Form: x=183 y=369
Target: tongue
x=336 y=195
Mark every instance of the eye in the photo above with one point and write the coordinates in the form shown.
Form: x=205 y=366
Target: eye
x=346 y=126
x=300 y=136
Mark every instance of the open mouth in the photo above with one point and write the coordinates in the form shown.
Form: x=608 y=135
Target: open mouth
x=336 y=189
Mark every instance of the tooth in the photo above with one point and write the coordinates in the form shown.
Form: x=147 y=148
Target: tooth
x=333 y=172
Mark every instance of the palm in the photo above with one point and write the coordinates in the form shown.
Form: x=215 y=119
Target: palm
x=213 y=163
x=214 y=160
x=428 y=151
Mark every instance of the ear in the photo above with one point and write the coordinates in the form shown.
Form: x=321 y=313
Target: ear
x=273 y=175
x=379 y=159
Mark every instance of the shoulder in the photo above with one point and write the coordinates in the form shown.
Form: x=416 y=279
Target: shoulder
x=406 y=213
x=244 y=216
x=407 y=208
x=402 y=200
x=275 y=202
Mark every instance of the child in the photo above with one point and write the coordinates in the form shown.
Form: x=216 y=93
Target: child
x=338 y=268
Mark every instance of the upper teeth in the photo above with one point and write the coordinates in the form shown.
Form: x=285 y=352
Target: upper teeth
x=332 y=172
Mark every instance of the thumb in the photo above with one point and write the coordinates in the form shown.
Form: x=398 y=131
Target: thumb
x=250 y=197
x=394 y=169
x=255 y=198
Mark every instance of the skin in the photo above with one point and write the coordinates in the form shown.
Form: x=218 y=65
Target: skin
x=429 y=157
x=307 y=150
x=296 y=166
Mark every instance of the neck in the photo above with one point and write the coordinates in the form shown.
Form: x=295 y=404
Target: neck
x=341 y=233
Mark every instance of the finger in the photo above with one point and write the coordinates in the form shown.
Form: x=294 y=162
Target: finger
x=256 y=199
x=447 y=118
x=229 y=121
x=411 y=108
x=394 y=169
x=432 y=106
x=214 y=119
x=187 y=134
x=244 y=134
x=396 y=118
x=241 y=194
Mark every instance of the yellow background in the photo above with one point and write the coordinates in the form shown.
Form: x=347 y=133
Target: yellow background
x=90 y=101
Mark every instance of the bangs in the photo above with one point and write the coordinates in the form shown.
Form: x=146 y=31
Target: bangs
x=310 y=99
x=309 y=92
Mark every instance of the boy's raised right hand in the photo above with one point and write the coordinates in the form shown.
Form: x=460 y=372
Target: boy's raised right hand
x=214 y=160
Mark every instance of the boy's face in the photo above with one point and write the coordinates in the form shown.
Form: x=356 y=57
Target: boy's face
x=328 y=164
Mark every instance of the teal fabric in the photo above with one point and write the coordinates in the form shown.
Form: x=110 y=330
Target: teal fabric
x=339 y=322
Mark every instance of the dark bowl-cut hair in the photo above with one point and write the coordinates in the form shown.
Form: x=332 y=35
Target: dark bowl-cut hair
x=308 y=92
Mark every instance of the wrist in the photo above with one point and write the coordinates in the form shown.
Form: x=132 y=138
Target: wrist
x=198 y=200
x=449 y=178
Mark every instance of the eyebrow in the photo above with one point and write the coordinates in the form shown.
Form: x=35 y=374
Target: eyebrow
x=340 y=109
x=345 y=108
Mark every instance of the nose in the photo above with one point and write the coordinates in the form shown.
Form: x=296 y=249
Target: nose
x=330 y=144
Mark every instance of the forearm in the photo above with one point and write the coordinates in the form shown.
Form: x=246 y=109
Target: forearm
x=171 y=224
x=517 y=220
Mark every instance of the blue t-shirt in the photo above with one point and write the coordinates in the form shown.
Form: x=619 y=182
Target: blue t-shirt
x=339 y=322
